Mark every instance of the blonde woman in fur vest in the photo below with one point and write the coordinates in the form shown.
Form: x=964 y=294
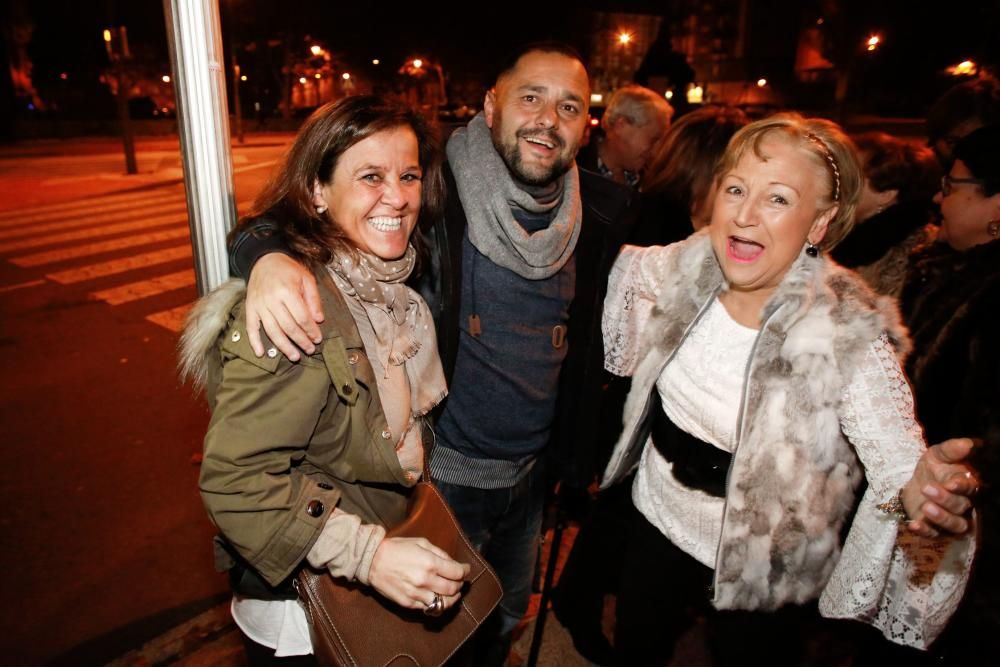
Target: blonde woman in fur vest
x=766 y=383
x=307 y=461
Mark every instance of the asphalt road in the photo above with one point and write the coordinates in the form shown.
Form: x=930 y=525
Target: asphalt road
x=104 y=540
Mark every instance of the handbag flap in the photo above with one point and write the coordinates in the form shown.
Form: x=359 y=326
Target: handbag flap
x=353 y=625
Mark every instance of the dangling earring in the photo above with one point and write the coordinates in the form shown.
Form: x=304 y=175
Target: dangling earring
x=320 y=210
x=993 y=228
x=811 y=249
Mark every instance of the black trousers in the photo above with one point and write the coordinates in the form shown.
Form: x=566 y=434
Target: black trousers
x=664 y=591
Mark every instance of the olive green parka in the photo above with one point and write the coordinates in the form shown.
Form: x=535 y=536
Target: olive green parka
x=289 y=441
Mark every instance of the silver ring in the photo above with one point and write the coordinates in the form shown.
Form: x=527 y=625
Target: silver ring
x=436 y=607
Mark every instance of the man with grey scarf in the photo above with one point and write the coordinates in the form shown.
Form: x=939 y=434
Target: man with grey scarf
x=519 y=265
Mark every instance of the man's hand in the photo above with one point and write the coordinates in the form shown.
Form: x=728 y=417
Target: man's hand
x=283 y=297
x=937 y=496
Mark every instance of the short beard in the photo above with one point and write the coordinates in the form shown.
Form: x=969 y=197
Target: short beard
x=511 y=155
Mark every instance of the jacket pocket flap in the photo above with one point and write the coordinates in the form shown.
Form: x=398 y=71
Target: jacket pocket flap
x=335 y=358
x=236 y=342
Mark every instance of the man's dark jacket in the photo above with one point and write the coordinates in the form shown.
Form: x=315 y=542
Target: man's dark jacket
x=577 y=449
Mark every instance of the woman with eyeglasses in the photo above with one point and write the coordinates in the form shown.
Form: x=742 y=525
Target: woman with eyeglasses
x=951 y=303
x=894 y=210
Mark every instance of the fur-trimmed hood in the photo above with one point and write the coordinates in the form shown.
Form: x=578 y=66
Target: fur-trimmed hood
x=793 y=476
x=207 y=319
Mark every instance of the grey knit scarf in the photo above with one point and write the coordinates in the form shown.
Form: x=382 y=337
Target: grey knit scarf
x=488 y=193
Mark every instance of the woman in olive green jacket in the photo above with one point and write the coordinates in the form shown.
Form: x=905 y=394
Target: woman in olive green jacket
x=307 y=460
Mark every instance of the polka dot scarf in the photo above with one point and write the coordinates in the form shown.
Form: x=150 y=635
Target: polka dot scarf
x=401 y=321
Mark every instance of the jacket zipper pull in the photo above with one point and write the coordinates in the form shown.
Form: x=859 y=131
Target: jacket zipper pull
x=475 y=326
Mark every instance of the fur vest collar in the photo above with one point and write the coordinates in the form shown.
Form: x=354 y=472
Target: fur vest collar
x=793 y=477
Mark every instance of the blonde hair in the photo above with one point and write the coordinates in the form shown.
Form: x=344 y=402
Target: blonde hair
x=830 y=147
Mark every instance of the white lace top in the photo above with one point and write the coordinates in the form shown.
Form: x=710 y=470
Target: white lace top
x=906 y=586
x=700 y=391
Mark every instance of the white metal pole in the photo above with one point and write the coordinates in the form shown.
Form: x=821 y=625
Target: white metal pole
x=200 y=86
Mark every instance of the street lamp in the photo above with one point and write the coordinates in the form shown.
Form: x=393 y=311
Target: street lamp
x=165 y=78
x=624 y=38
x=375 y=61
x=964 y=68
x=116 y=44
x=761 y=82
x=418 y=68
x=873 y=42
x=316 y=50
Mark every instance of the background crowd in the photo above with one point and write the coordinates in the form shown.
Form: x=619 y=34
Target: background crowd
x=752 y=345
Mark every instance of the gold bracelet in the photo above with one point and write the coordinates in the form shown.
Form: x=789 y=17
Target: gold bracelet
x=895 y=507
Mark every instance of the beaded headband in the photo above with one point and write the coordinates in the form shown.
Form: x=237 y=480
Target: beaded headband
x=828 y=154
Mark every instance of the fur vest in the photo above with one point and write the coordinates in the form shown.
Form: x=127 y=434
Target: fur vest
x=793 y=476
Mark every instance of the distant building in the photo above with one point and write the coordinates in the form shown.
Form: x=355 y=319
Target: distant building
x=618 y=44
x=741 y=52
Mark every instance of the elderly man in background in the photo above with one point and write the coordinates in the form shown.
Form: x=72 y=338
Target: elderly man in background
x=635 y=120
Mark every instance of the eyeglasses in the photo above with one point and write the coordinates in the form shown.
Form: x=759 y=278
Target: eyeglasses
x=947 y=181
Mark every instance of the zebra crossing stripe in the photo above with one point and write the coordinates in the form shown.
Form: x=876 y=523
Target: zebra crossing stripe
x=169 y=208
x=76 y=209
x=145 y=288
x=115 y=266
x=172 y=319
x=74 y=252
x=90 y=233
x=30 y=283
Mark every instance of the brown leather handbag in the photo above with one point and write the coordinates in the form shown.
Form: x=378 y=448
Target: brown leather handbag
x=353 y=625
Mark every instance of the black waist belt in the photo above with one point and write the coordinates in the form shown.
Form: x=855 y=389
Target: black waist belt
x=696 y=464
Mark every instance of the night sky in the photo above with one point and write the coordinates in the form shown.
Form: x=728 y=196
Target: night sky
x=920 y=38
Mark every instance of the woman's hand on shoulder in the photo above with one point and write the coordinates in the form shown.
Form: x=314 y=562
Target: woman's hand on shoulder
x=411 y=571
x=937 y=497
x=283 y=297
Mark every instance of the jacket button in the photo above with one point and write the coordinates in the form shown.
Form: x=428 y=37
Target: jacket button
x=386 y=434
x=236 y=337
x=326 y=486
x=315 y=508
x=272 y=352
x=347 y=389
x=352 y=358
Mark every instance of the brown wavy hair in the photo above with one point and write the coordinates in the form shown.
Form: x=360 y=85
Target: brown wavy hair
x=684 y=164
x=287 y=199
x=893 y=164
